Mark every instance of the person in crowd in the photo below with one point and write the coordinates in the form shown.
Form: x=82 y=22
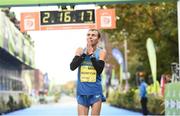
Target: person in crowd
x=163 y=82
x=168 y=78
x=143 y=93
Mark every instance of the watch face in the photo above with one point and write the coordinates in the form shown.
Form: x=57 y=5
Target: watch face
x=67 y=17
x=92 y=56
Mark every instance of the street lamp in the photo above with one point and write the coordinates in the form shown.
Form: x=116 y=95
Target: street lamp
x=125 y=34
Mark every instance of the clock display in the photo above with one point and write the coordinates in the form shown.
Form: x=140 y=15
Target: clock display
x=67 y=17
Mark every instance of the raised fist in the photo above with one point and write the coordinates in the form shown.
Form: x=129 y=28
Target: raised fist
x=79 y=51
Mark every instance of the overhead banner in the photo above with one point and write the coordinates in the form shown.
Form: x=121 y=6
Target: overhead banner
x=46 y=2
x=68 y=19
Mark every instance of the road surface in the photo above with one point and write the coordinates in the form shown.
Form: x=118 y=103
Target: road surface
x=67 y=107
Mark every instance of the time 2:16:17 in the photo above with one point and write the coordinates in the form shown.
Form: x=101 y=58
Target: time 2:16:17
x=65 y=17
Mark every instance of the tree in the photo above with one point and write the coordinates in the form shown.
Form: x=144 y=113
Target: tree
x=155 y=20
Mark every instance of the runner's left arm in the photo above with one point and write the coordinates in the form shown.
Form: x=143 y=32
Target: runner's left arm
x=99 y=64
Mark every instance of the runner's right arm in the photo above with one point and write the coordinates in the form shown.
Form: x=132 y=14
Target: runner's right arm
x=77 y=59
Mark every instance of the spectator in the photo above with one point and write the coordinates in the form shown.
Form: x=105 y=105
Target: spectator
x=163 y=82
x=143 y=93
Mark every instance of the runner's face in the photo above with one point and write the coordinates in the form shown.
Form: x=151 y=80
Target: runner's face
x=92 y=38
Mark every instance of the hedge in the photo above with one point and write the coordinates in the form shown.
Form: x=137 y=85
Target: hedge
x=130 y=100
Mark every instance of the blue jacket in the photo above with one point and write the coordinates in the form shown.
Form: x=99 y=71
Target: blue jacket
x=142 y=89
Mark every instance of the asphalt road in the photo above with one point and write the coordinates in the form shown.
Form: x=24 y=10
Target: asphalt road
x=67 y=107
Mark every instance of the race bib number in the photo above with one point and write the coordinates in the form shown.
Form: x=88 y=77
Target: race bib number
x=87 y=74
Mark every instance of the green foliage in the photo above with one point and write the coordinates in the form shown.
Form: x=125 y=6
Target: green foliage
x=24 y=100
x=156 y=104
x=136 y=23
x=57 y=96
x=124 y=100
x=130 y=100
x=3 y=106
x=113 y=99
x=12 y=104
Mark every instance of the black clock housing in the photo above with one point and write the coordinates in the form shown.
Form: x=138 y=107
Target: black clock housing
x=67 y=17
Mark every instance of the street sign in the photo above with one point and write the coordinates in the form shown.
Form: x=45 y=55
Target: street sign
x=68 y=19
x=106 y=18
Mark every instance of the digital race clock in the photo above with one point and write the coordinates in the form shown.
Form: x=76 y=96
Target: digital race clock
x=67 y=17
